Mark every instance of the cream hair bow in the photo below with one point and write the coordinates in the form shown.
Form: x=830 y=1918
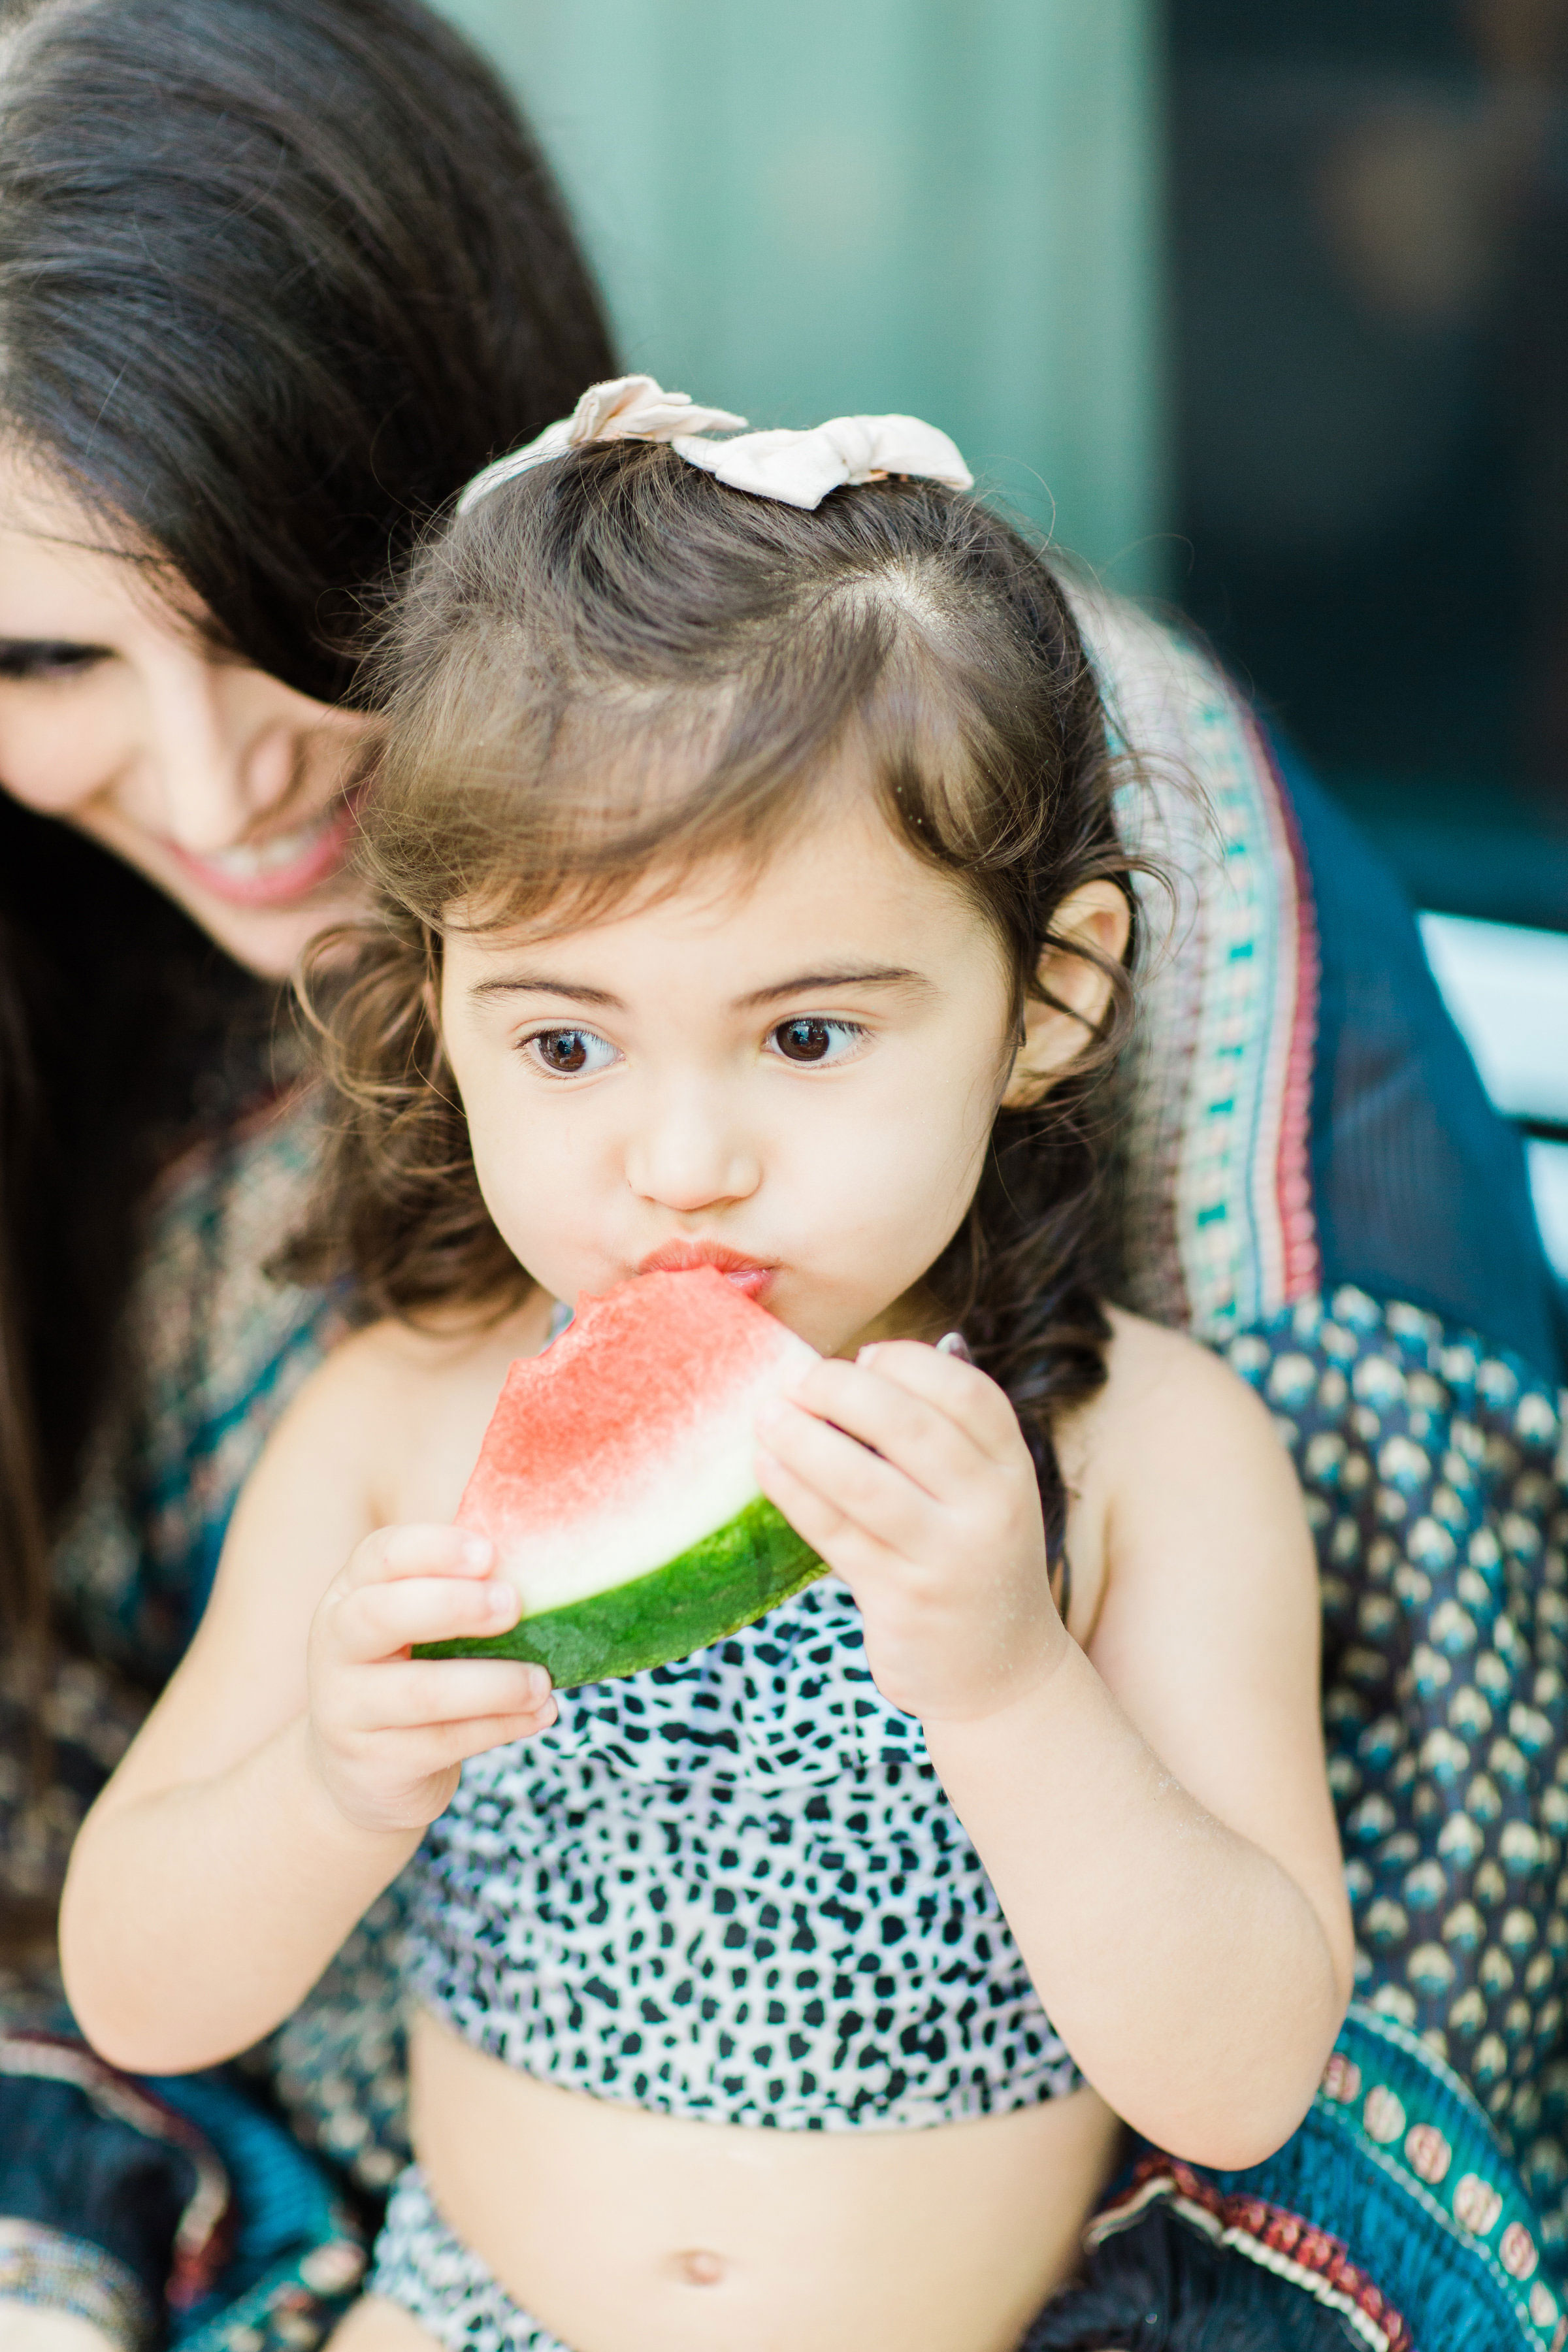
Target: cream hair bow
x=798 y=468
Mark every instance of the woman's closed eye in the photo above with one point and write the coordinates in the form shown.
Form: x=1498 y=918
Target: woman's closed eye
x=48 y=657
x=568 y=1052
x=809 y=1040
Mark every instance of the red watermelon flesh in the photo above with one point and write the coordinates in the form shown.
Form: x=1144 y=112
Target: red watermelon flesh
x=615 y=1480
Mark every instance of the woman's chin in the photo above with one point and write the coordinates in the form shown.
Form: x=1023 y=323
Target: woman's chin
x=271 y=942
x=264 y=917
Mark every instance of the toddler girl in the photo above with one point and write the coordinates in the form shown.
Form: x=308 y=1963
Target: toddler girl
x=749 y=895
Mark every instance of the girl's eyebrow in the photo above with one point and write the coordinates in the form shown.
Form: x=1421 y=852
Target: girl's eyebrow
x=542 y=984
x=878 y=975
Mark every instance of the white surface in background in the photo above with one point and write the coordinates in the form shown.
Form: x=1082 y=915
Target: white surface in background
x=1548 y=1184
x=1506 y=989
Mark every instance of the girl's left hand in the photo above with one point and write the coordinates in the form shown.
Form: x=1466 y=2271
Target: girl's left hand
x=907 y=1472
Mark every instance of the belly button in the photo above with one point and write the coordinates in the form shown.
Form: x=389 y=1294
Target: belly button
x=699 y=2266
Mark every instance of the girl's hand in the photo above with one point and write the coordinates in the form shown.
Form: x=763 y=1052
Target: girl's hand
x=907 y=1470
x=389 y=1733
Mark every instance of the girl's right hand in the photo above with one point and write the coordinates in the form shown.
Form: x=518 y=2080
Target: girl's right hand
x=388 y=1732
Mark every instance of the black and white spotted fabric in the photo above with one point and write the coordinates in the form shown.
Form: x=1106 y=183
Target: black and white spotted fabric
x=733 y=1888
x=421 y=2265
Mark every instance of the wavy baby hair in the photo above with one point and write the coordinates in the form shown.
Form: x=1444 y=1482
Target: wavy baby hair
x=614 y=669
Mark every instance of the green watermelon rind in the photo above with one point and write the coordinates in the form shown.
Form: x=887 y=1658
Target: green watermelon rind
x=732 y=1577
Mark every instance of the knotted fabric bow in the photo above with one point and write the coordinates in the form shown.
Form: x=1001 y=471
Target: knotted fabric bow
x=799 y=468
x=626 y=408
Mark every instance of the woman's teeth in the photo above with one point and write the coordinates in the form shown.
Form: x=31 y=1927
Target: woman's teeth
x=279 y=867
x=249 y=861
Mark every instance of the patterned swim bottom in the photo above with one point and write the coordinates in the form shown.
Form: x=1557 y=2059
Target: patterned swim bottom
x=422 y=2266
x=1395 y=2168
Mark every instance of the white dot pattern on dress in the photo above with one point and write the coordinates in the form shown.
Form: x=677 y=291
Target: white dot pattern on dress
x=734 y=1888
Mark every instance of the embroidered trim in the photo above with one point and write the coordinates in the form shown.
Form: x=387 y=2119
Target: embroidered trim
x=199 y=2239
x=1277 y=2241
x=1218 y=1207
x=43 y=2267
x=1289 y=1210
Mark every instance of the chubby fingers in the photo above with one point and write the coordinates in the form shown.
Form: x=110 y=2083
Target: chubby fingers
x=904 y=1453
x=418 y=1550
x=415 y=1584
x=940 y=1422
x=953 y=1387
x=489 y=1699
x=850 y=1506
x=392 y=1731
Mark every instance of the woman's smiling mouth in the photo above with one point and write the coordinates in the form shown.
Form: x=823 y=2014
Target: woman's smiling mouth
x=281 y=867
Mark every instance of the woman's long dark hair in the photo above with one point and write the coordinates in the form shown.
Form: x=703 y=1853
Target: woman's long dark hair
x=615 y=668
x=275 y=276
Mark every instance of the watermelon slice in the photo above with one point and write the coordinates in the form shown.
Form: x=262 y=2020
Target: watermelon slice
x=616 y=1481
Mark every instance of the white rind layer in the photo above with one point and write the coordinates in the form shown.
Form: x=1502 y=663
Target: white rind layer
x=662 y=1508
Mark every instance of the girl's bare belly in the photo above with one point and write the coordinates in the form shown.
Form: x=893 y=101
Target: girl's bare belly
x=627 y=2232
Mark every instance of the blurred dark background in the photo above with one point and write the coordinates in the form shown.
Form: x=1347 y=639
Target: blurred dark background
x=1368 y=308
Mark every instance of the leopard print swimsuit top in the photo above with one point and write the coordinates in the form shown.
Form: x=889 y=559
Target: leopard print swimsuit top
x=733 y=1888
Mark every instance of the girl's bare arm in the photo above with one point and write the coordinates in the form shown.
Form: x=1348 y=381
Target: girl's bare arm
x=286 y=1774
x=1152 y=1809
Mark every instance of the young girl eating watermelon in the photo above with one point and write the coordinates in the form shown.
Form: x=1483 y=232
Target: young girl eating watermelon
x=749 y=905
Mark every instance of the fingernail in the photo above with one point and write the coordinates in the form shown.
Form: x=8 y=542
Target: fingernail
x=864 y=1355
x=501 y=1599
x=953 y=1343
x=477 y=1550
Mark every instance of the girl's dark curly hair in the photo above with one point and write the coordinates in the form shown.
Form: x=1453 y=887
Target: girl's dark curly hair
x=613 y=668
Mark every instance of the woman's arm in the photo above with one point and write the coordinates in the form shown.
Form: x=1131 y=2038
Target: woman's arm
x=288 y=1772
x=1153 y=1814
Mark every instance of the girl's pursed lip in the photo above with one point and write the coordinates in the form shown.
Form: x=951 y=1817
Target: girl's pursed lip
x=747 y=1273
x=275 y=871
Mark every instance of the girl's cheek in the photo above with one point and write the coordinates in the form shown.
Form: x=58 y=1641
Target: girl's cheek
x=536 y=1183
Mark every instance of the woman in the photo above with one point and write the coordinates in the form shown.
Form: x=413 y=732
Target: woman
x=275 y=276
x=242 y=356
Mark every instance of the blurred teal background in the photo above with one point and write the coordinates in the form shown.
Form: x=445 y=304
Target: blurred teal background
x=950 y=208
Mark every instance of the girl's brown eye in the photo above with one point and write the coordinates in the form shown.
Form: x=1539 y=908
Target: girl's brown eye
x=567 y=1053
x=806 y=1041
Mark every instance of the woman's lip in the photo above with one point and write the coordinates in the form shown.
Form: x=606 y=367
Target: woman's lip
x=275 y=880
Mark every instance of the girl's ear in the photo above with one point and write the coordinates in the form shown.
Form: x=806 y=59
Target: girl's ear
x=1097 y=916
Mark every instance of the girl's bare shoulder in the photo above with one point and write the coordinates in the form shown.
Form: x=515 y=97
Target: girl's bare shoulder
x=1163 y=1390
x=1173 y=1455
x=1176 y=1478
x=393 y=1358
x=406 y=1405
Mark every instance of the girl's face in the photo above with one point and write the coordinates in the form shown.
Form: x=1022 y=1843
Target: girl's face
x=791 y=1077
x=220 y=784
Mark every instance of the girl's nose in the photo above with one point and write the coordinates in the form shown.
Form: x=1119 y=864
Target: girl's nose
x=691 y=1156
